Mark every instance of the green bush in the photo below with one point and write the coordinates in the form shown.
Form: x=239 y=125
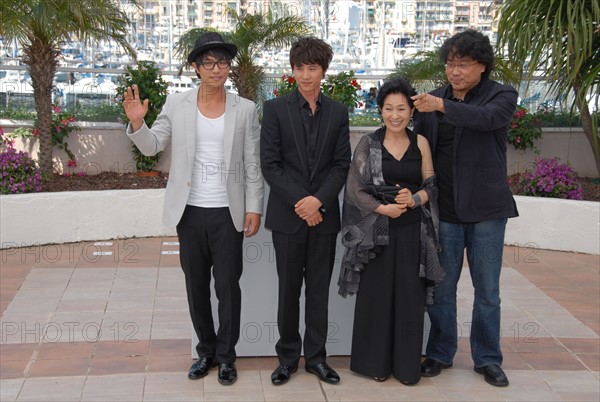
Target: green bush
x=147 y=76
x=104 y=112
x=18 y=114
x=365 y=120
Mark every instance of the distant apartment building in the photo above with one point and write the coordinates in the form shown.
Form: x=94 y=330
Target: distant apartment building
x=425 y=21
x=479 y=15
x=437 y=19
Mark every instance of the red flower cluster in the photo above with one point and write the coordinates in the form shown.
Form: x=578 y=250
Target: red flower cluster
x=342 y=87
x=286 y=85
x=524 y=129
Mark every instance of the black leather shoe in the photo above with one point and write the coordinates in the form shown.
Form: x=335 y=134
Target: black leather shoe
x=282 y=374
x=431 y=368
x=201 y=367
x=493 y=374
x=324 y=372
x=227 y=373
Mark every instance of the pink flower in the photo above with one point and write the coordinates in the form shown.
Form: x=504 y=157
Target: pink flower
x=518 y=140
x=72 y=163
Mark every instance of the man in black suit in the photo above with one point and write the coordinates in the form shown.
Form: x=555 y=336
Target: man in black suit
x=305 y=155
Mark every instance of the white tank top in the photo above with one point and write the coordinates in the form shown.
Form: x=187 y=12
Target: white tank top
x=208 y=175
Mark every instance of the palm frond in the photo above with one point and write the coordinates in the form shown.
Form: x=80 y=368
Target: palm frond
x=559 y=39
x=40 y=27
x=253 y=34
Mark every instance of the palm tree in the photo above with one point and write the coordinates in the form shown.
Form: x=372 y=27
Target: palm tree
x=253 y=35
x=426 y=71
x=40 y=27
x=561 y=38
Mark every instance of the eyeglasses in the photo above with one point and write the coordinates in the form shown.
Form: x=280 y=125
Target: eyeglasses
x=209 y=64
x=459 y=66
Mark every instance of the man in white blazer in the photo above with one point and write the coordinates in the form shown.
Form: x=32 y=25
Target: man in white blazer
x=214 y=192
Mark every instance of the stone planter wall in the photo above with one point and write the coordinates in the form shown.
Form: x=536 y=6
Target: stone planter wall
x=29 y=219
x=98 y=147
x=555 y=224
x=102 y=147
x=568 y=144
x=44 y=218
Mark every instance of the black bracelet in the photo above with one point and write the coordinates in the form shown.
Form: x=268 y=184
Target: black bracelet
x=417 y=199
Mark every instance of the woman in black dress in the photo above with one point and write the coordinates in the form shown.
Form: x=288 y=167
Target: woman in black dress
x=382 y=233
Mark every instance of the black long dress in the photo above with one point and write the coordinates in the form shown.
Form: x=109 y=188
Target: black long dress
x=390 y=303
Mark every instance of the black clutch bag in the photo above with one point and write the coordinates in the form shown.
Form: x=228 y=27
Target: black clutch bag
x=387 y=194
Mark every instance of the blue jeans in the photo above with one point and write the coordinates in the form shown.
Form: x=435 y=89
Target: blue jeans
x=484 y=242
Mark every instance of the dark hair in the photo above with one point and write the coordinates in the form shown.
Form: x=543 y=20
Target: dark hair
x=310 y=50
x=218 y=53
x=472 y=44
x=396 y=85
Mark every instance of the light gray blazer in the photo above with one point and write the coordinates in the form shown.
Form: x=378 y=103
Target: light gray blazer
x=177 y=123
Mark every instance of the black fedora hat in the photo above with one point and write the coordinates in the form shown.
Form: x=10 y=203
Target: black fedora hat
x=211 y=40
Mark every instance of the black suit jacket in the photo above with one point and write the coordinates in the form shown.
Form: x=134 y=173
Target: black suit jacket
x=481 y=191
x=285 y=166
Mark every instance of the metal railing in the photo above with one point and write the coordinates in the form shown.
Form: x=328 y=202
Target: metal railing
x=96 y=86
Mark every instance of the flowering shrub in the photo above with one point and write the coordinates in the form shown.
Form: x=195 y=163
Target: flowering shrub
x=524 y=128
x=550 y=178
x=18 y=172
x=286 y=85
x=342 y=87
x=72 y=165
x=60 y=128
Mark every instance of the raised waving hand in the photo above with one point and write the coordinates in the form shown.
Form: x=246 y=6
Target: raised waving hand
x=135 y=109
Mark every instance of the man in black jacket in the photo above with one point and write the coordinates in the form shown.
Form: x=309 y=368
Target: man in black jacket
x=466 y=123
x=305 y=156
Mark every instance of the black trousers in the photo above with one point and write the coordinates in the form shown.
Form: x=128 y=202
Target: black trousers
x=390 y=309
x=208 y=239
x=304 y=256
